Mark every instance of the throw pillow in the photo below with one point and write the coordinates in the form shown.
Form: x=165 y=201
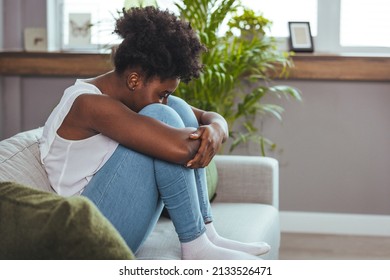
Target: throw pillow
x=212 y=179
x=41 y=225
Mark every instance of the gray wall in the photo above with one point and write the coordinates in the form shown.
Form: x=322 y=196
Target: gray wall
x=333 y=148
x=1 y=84
x=17 y=15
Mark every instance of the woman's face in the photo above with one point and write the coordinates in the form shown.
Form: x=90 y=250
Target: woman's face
x=154 y=91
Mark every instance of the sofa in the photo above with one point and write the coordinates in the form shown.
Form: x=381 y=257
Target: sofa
x=245 y=204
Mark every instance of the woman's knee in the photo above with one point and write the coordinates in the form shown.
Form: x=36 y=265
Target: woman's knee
x=184 y=110
x=163 y=113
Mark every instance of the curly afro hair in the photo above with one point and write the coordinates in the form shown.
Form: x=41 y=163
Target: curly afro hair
x=159 y=43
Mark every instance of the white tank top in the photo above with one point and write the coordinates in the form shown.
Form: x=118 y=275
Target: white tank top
x=70 y=164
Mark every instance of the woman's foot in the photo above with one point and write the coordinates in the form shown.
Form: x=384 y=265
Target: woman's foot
x=203 y=249
x=255 y=248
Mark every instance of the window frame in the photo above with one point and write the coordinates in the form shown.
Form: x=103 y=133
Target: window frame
x=53 y=22
x=328 y=33
x=327 y=39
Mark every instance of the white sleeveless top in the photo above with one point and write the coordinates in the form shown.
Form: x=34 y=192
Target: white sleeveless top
x=70 y=164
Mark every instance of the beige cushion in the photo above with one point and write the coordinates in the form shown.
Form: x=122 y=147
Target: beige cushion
x=247 y=179
x=20 y=161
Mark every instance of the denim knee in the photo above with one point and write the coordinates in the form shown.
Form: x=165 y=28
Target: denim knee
x=184 y=110
x=163 y=113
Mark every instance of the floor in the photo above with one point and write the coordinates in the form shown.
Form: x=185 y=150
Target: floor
x=297 y=246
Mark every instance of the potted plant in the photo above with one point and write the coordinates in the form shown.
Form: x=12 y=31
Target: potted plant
x=239 y=67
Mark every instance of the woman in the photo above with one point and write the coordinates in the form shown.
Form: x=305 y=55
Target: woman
x=124 y=142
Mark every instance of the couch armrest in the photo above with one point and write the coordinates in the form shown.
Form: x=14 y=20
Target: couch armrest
x=247 y=179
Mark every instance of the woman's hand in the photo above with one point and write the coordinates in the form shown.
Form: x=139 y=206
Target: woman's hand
x=211 y=137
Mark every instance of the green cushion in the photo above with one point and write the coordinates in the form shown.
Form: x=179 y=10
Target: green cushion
x=212 y=179
x=41 y=225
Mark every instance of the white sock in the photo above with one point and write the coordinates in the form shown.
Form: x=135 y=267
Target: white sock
x=255 y=248
x=202 y=249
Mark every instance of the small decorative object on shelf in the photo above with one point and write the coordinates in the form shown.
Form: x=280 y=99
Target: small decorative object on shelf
x=300 y=37
x=79 y=30
x=35 y=39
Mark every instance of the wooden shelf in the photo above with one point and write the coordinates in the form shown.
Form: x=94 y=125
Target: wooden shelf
x=306 y=66
x=54 y=64
x=341 y=67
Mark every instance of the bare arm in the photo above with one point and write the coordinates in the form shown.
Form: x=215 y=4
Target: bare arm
x=102 y=114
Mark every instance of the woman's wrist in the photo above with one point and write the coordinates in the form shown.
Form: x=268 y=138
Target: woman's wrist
x=222 y=130
x=217 y=122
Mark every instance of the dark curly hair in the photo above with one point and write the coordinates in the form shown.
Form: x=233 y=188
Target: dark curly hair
x=159 y=43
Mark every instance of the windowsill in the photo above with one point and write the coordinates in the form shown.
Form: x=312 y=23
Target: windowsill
x=308 y=66
x=65 y=64
x=350 y=67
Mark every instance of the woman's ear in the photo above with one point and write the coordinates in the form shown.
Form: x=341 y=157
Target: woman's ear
x=132 y=81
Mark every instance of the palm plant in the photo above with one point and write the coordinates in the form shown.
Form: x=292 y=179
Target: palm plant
x=239 y=67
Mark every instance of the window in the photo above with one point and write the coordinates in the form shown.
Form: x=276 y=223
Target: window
x=337 y=25
x=280 y=12
x=98 y=16
x=87 y=24
x=365 y=23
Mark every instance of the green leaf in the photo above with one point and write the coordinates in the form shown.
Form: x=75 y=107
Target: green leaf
x=287 y=91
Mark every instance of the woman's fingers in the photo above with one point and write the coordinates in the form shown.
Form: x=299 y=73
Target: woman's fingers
x=208 y=147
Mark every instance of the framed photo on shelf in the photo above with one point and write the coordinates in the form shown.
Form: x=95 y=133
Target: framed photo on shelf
x=300 y=36
x=35 y=39
x=79 y=30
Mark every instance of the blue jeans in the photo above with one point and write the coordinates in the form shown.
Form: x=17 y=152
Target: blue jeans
x=131 y=188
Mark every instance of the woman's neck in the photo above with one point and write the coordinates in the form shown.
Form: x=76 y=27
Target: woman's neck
x=111 y=84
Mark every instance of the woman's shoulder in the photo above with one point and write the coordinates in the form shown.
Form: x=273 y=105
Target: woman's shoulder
x=94 y=106
x=82 y=86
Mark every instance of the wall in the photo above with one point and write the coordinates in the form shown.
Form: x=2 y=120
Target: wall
x=1 y=79
x=18 y=105
x=333 y=147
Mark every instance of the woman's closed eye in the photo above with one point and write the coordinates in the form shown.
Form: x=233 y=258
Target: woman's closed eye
x=165 y=95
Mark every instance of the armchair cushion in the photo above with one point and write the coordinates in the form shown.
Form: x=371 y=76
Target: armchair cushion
x=20 y=161
x=212 y=179
x=41 y=225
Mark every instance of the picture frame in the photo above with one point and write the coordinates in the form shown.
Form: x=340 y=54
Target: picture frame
x=79 y=30
x=35 y=39
x=300 y=39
